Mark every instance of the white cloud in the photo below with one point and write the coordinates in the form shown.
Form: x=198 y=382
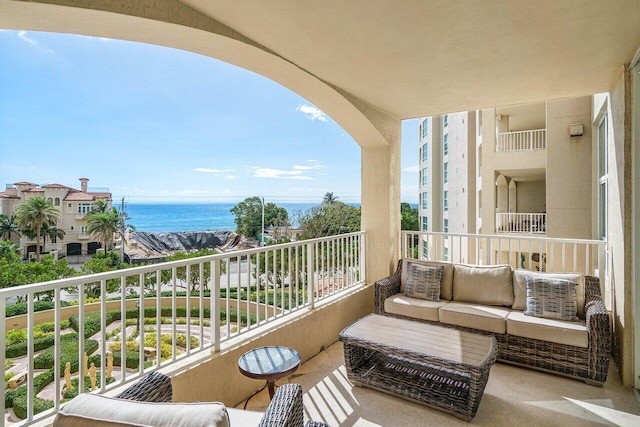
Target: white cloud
x=307 y=168
x=23 y=36
x=411 y=169
x=208 y=170
x=312 y=113
x=277 y=173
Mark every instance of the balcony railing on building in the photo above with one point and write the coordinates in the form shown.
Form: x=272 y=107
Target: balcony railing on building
x=527 y=223
x=527 y=252
x=525 y=140
x=151 y=316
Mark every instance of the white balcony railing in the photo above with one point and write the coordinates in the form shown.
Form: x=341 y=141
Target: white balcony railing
x=528 y=223
x=521 y=140
x=528 y=252
x=252 y=288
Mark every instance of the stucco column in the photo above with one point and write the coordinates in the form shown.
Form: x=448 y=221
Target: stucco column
x=381 y=206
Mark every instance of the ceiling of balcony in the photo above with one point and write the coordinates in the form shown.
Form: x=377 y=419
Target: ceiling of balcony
x=413 y=57
x=407 y=58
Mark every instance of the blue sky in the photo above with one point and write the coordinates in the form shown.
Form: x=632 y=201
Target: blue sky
x=158 y=124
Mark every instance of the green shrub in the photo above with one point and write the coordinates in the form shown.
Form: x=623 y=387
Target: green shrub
x=20 y=349
x=132 y=359
x=39 y=405
x=92 y=321
x=87 y=386
x=21 y=307
x=69 y=347
x=15 y=336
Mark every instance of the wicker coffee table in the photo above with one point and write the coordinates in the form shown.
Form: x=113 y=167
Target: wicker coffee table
x=439 y=367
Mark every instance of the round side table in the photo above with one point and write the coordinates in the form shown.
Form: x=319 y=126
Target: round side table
x=270 y=364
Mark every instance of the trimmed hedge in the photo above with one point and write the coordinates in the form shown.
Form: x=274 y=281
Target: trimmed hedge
x=92 y=321
x=20 y=349
x=21 y=307
x=39 y=405
x=69 y=346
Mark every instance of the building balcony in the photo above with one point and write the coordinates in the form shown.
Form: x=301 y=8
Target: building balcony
x=521 y=222
x=84 y=236
x=526 y=140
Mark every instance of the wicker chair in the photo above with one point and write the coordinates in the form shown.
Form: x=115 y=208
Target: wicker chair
x=285 y=409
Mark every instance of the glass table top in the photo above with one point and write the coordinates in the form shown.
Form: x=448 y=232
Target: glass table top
x=269 y=360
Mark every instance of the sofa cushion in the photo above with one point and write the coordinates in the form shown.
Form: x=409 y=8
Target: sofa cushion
x=88 y=409
x=483 y=284
x=520 y=287
x=403 y=305
x=481 y=317
x=552 y=330
x=447 y=275
x=551 y=298
x=423 y=282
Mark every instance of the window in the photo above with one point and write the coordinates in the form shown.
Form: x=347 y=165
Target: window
x=445 y=172
x=425 y=176
x=425 y=127
x=445 y=144
x=57 y=201
x=425 y=200
x=83 y=230
x=425 y=152
x=84 y=208
x=425 y=223
x=602 y=178
x=446 y=226
x=50 y=200
x=445 y=119
x=445 y=201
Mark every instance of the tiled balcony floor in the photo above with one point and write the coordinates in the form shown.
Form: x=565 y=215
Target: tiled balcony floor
x=513 y=396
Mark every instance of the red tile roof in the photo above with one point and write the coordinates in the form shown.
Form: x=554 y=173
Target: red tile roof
x=79 y=196
x=54 y=186
x=5 y=195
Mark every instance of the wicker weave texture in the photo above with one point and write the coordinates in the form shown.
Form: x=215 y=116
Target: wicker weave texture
x=155 y=387
x=285 y=409
x=456 y=388
x=588 y=364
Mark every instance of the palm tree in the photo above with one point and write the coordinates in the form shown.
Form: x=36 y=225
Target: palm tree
x=329 y=198
x=103 y=225
x=51 y=231
x=100 y=206
x=35 y=212
x=7 y=226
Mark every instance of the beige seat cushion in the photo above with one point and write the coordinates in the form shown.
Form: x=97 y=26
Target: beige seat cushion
x=239 y=417
x=447 y=275
x=90 y=410
x=483 y=284
x=482 y=317
x=557 y=331
x=520 y=287
x=416 y=308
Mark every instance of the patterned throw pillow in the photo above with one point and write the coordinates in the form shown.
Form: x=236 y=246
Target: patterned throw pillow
x=424 y=282
x=551 y=298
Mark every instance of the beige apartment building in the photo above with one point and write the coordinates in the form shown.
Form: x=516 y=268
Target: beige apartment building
x=73 y=205
x=516 y=170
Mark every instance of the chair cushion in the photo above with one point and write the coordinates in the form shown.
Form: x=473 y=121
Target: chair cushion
x=423 y=282
x=481 y=317
x=483 y=284
x=551 y=298
x=403 y=305
x=240 y=417
x=90 y=410
x=552 y=330
x=520 y=287
x=447 y=275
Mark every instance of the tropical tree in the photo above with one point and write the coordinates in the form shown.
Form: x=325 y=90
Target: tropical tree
x=249 y=216
x=329 y=220
x=8 y=225
x=409 y=218
x=52 y=232
x=329 y=198
x=33 y=214
x=103 y=225
x=100 y=206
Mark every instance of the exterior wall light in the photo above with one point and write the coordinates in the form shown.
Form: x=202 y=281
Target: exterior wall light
x=575 y=130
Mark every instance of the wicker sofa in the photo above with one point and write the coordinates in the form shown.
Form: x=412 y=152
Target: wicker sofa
x=148 y=403
x=492 y=299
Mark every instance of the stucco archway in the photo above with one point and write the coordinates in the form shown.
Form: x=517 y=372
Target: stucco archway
x=173 y=24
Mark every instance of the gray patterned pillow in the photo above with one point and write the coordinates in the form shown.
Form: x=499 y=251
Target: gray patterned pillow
x=551 y=298
x=424 y=282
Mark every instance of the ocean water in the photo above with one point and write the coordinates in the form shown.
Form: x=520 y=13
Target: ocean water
x=155 y=217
